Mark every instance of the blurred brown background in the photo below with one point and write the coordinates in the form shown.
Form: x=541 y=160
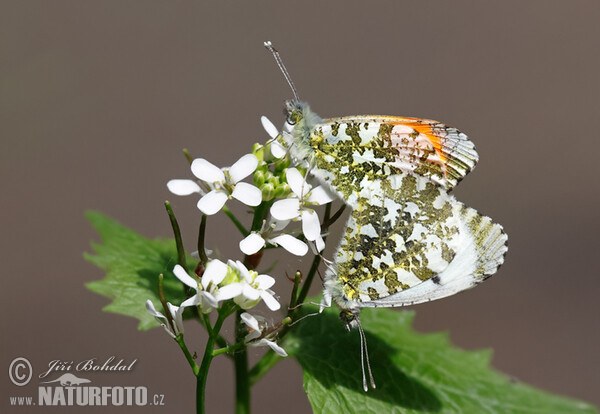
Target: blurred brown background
x=97 y=99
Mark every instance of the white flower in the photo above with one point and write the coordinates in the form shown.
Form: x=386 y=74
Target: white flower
x=208 y=293
x=268 y=234
x=256 y=325
x=254 y=287
x=176 y=315
x=277 y=150
x=300 y=206
x=221 y=184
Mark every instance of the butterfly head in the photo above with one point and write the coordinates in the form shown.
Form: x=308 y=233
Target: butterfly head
x=300 y=122
x=350 y=319
x=300 y=118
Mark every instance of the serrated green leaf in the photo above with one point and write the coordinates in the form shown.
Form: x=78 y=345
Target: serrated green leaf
x=414 y=373
x=132 y=264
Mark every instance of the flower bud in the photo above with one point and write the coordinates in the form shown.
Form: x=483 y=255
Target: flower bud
x=282 y=190
x=259 y=152
x=268 y=192
x=259 y=178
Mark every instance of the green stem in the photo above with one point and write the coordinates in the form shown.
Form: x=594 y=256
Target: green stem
x=188 y=355
x=201 y=233
x=294 y=296
x=260 y=213
x=177 y=233
x=240 y=362
x=204 y=321
x=228 y=349
x=309 y=278
x=334 y=218
x=202 y=374
x=317 y=260
x=235 y=221
x=187 y=155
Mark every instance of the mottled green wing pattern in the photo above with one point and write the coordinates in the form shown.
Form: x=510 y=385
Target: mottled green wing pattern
x=407 y=240
x=366 y=148
x=418 y=246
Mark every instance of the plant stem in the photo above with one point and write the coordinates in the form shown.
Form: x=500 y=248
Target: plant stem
x=235 y=221
x=201 y=233
x=228 y=349
x=202 y=374
x=294 y=296
x=187 y=155
x=177 y=233
x=240 y=361
x=317 y=260
x=188 y=355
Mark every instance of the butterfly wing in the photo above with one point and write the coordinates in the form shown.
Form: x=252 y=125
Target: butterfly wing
x=349 y=150
x=412 y=244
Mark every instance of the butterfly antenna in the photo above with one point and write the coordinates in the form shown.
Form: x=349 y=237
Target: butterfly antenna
x=279 y=61
x=364 y=356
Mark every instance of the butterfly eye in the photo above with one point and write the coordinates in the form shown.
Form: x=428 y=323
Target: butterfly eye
x=291 y=119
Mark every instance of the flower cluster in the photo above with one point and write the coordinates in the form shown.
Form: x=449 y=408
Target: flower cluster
x=280 y=196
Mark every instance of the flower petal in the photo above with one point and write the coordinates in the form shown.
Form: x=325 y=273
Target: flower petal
x=244 y=272
x=291 y=244
x=250 y=321
x=185 y=277
x=212 y=202
x=247 y=194
x=276 y=348
x=250 y=293
x=193 y=301
x=264 y=281
x=208 y=299
x=177 y=314
x=229 y=291
x=296 y=182
x=278 y=150
x=215 y=272
x=252 y=335
x=207 y=171
x=269 y=127
x=270 y=301
x=152 y=310
x=286 y=209
x=278 y=225
x=311 y=227
x=243 y=168
x=319 y=195
x=252 y=244
x=183 y=187
x=320 y=243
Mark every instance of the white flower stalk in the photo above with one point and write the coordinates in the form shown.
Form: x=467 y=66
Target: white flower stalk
x=254 y=287
x=256 y=325
x=208 y=293
x=300 y=206
x=221 y=184
x=270 y=233
x=176 y=315
x=277 y=150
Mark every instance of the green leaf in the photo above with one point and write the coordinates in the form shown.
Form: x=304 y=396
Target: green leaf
x=414 y=373
x=132 y=264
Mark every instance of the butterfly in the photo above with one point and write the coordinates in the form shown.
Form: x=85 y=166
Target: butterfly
x=407 y=240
